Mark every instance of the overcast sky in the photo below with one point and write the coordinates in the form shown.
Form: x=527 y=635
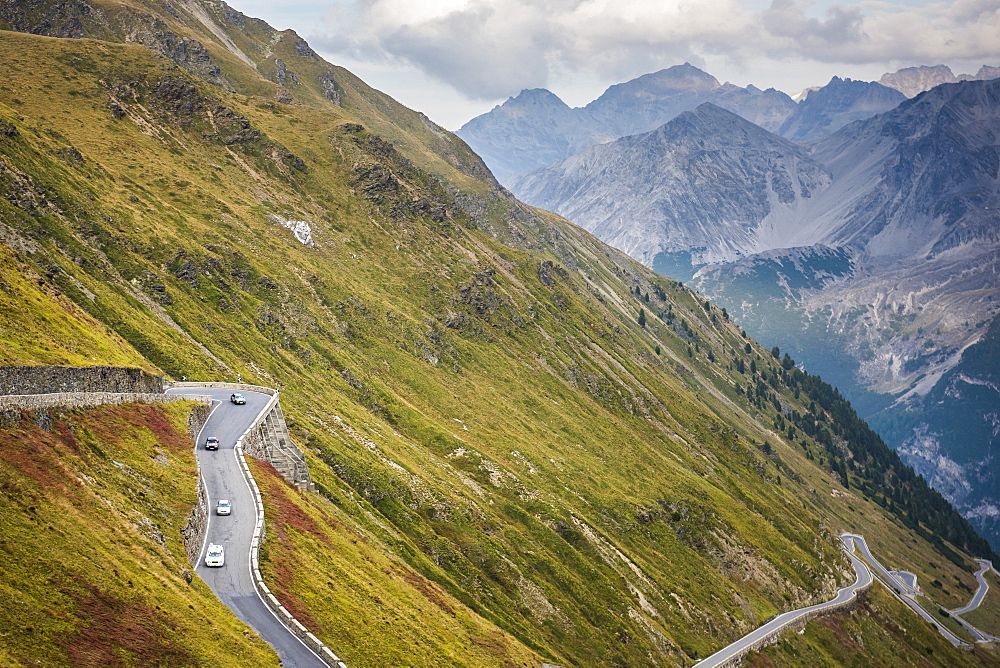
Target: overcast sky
x=455 y=59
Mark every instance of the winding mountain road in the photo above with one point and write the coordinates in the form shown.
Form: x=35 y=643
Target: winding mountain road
x=904 y=591
x=863 y=579
x=224 y=479
x=977 y=599
x=984 y=587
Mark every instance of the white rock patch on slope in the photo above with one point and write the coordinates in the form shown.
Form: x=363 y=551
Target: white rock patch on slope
x=300 y=228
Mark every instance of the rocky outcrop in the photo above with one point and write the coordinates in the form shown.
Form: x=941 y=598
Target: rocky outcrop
x=530 y=131
x=283 y=76
x=911 y=81
x=328 y=84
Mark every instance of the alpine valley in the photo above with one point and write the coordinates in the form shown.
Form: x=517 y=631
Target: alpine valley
x=528 y=448
x=868 y=248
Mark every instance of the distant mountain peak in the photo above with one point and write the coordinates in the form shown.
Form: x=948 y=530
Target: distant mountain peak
x=703 y=183
x=842 y=101
x=512 y=143
x=911 y=81
x=533 y=94
x=671 y=80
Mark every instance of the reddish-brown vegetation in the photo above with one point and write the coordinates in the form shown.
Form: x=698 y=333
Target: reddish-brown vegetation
x=116 y=632
x=282 y=514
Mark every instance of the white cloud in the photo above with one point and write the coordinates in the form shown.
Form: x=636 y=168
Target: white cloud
x=492 y=48
x=438 y=55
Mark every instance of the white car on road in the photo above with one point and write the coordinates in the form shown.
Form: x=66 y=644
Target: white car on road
x=224 y=507
x=215 y=556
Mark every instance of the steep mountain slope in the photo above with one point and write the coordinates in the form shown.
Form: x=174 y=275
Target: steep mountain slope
x=842 y=101
x=94 y=566
x=536 y=129
x=948 y=434
x=922 y=222
x=527 y=447
x=705 y=187
x=876 y=246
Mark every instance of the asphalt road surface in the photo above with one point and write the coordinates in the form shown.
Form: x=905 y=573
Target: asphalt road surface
x=905 y=591
x=864 y=578
x=984 y=587
x=977 y=599
x=233 y=584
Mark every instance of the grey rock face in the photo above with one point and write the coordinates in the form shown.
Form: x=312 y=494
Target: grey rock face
x=329 y=87
x=768 y=108
x=651 y=100
x=704 y=183
x=283 y=76
x=833 y=106
x=935 y=187
x=985 y=73
x=911 y=81
x=529 y=131
x=536 y=128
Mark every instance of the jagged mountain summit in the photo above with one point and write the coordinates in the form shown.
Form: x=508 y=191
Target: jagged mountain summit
x=911 y=81
x=831 y=107
x=651 y=100
x=529 y=131
x=536 y=129
x=707 y=186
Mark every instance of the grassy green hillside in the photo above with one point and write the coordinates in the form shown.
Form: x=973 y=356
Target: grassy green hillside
x=94 y=567
x=526 y=446
x=880 y=632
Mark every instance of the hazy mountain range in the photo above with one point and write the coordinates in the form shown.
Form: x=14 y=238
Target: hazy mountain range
x=870 y=253
x=535 y=128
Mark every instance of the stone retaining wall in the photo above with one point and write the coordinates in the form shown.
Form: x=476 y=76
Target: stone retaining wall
x=69 y=400
x=267 y=439
x=197 y=524
x=55 y=379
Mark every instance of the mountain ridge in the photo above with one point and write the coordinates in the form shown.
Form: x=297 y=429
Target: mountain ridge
x=909 y=194
x=664 y=179
x=633 y=107
x=526 y=446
